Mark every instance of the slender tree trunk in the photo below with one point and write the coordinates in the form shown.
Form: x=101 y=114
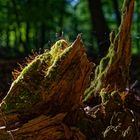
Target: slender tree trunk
x=7 y=30
x=116 y=8
x=17 y=18
x=27 y=38
x=7 y=37
x=75 y=19
x=42 y=35
x=16 y=36
x=61 y=19
x=27 y=43
x=138 y=25
x=36 y=37
x=100 y=27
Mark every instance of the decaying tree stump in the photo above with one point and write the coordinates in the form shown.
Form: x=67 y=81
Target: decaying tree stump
x=113 y=70
x=45 y=101
x=110 y=82
x=47 y=95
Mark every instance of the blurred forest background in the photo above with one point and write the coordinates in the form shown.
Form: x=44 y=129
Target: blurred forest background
x=27 y=25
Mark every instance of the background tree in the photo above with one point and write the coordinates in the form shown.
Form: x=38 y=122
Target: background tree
x=100 y=27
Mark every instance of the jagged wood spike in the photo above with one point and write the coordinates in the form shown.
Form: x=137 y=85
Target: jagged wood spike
x=113 y=71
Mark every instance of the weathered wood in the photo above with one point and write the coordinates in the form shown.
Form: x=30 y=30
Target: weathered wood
x=52 y=83
x=49 y=128
x=45 y=101
x=113 y=70
x=111 y=119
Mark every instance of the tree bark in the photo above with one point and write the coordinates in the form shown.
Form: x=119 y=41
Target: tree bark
x=14 y=4
x=58 y=96
x=27 y=38
x=100 y=27
x=116 y=8
x=117 y=60
x=45 y=100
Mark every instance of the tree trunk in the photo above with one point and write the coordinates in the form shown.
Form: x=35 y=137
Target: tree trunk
x=138 y=26
x=42 y=35
x=55 y=111
x=117 y=60
x=27 y=38
x=17 y=20
x=100 y=27
x=116 y=8
x=7 y=29
x=61 y=19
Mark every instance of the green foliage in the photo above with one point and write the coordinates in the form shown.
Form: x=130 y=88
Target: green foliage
x=27 y=25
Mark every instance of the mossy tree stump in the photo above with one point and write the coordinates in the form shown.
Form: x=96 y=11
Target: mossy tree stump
x=45 y=100
x=113 y=71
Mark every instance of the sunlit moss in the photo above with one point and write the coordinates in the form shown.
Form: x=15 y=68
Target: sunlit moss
x=105 y=96
x=26 y=90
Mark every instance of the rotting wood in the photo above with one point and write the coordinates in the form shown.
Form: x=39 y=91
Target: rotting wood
x=45 y=101
x=113 y=71
x=51 y=84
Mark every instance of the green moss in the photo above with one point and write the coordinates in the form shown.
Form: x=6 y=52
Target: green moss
x=103 y=63
x=8 y=107
x=125 y=4
x=24 y=101
x=117 y=98
x=105 y=96
x=96 y=72
x=57 y=49
x=29 y=69
x=53 y=70
x=112 y=37
x=35 y=78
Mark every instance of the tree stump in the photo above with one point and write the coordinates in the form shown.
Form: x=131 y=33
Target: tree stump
x=45 y=100
x=113 y=70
